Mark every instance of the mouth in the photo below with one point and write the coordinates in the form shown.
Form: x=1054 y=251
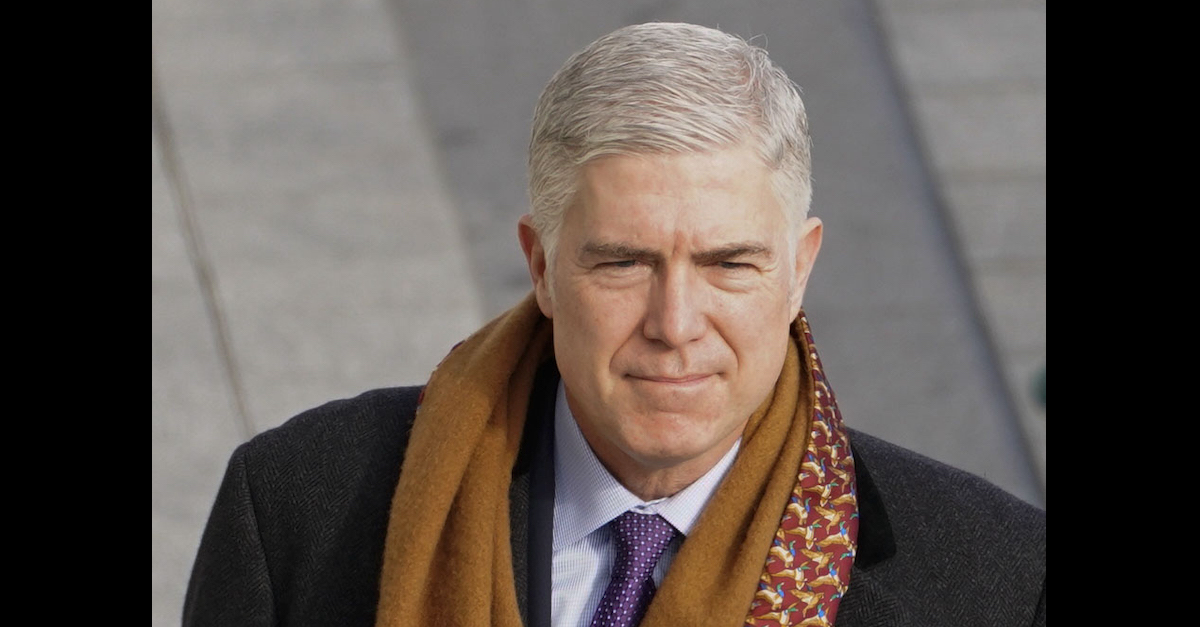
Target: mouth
x=668 y=380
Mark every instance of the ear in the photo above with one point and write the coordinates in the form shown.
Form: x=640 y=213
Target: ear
x=807 y=247
x=535 y=256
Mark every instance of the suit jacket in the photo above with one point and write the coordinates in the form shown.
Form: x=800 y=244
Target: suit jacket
x=297 y=531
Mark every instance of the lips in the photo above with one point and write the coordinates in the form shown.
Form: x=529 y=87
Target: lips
x=680 y=380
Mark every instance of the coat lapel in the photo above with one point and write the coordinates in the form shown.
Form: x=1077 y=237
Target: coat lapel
x=518 y=516
x=868 y=602
x=531 y=503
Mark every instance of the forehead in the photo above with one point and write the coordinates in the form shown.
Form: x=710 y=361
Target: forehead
x=707 y=195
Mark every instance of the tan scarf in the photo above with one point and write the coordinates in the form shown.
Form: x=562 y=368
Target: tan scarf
x=448 y=557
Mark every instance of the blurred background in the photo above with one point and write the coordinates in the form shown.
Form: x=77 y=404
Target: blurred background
x=335 y=187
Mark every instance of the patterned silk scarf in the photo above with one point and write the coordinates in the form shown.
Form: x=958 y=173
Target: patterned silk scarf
x=808 y=568
x=774 y=545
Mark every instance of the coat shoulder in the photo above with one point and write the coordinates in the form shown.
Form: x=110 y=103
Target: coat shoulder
x=351 y=422
x=964 y=550
x=301 y=517
x=918 y=486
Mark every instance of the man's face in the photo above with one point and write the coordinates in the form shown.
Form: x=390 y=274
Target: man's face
x=673 y=290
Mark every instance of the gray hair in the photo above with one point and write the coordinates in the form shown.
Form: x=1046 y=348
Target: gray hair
x=665 y=88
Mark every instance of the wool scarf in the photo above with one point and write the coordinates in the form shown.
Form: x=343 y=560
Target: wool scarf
x=448 y=557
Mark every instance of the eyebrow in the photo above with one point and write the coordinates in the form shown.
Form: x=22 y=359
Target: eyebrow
x=739 y=250
x=617 y=250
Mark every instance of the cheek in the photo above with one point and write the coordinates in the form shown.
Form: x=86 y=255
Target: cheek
x=591 y=328
x=756 y=330
x=607 y=316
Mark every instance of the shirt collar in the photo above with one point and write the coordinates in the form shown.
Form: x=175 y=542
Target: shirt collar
x=587 y=496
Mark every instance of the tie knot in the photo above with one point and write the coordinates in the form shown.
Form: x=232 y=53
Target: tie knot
x=640 y=541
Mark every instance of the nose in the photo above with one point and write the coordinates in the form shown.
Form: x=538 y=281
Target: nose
x=676 y=314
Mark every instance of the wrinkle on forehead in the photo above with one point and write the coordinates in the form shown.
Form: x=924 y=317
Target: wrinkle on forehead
x=671 y=189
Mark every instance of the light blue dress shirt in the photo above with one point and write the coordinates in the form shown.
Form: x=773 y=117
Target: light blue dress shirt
x=586 y=497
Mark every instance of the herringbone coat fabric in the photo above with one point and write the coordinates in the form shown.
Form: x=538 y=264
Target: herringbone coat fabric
x=297 y=531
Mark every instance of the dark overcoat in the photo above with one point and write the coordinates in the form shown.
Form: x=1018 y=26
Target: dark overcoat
x=296 y=535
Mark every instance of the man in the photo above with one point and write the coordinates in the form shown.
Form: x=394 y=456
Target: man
x=648 y=438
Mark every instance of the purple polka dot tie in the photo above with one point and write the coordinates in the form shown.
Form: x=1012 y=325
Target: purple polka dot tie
x=640 y=541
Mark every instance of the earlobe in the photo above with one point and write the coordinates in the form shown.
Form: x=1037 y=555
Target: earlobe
x=807 y=247
x=535 y=257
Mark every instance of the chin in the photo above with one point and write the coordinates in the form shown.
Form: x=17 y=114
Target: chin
x=674 y=442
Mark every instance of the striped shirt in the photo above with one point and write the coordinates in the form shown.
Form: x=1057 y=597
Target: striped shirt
x=586 y=497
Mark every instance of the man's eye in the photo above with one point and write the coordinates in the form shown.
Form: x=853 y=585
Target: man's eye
x=624 y=263
x=733 y=265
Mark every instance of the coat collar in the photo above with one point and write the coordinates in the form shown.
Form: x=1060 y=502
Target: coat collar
x=868 y=602
x=875 y=540
x=531 y=502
